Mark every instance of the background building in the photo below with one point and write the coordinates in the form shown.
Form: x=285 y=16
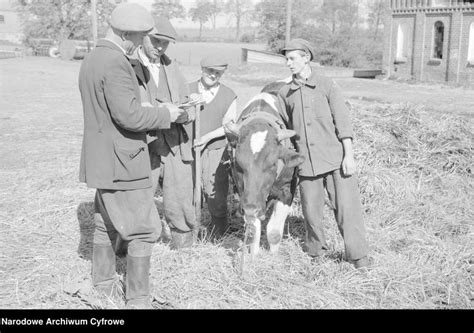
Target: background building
x=10 y=26
x=430 y=40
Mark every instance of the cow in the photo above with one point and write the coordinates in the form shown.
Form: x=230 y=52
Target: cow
x=263 y=166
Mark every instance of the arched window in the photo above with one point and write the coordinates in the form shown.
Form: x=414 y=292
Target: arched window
x=402 y=43
x=470 y=48
x=438 y=37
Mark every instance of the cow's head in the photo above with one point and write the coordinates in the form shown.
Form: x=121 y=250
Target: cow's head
x=259 y=157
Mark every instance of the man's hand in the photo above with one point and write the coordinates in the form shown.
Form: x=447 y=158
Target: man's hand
x=201 y=142
x=177 y=115
x=349 y=166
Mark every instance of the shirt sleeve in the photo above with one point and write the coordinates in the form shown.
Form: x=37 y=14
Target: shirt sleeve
x=340 y=112
x=231 y=113
x=283 y=109
x=124 y=107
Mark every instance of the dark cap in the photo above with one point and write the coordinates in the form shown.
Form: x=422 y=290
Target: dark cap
x=215 y=61
x=299 y=44
x=131 y=17
x=163 y=30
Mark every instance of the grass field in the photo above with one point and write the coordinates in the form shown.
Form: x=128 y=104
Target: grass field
x=415 y=178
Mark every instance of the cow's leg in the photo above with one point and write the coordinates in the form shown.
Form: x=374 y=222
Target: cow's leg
x=276 y=224
x=253 y=228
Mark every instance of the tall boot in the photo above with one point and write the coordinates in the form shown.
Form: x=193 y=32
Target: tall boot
x=138 y=284
x=103 y=268
x=181 y=239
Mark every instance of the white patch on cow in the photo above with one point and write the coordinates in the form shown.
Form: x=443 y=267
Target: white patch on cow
x=257 y=141
x=275 y=225
x=253 y=228
x=269 y=98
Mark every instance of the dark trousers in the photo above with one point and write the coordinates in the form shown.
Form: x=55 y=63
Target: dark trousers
x=178 y=191
x=343 y=193
x=126 y=220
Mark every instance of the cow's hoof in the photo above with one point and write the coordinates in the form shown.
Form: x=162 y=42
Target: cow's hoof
x=274 y=248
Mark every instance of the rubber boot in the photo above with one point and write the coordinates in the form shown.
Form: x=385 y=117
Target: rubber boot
x=181 y=239
x=103 y=268
x=137 y=283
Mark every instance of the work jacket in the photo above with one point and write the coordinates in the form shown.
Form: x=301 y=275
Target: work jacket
x=172 y=88
x=114 y=150
x=316 y=110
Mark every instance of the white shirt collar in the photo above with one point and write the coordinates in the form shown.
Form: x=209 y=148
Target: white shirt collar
x=213 y=90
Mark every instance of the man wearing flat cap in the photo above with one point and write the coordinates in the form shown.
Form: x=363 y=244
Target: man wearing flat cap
x=314 y=107
x=219 y=108
x=114 y=158
x=170 y=149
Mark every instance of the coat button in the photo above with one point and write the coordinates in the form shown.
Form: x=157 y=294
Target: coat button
x=308 y=123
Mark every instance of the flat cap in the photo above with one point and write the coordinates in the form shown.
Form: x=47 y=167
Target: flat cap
x=215 y=61
x=299 y=44
x=131 y=17
x=164 y=30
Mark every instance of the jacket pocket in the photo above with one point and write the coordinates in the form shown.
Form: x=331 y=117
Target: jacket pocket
x=131 y=161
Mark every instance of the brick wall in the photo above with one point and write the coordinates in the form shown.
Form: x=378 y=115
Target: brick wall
x=419 y=28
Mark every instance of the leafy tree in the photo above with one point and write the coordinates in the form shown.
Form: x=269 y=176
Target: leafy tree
x=201 y=13
x=239 y=9
x=377 y=10
x=62 y=19
x=217 y=7
x=338 y=16
x=168 y=8
x=271 y=14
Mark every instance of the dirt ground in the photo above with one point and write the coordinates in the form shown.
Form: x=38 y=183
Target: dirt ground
x=45 y=213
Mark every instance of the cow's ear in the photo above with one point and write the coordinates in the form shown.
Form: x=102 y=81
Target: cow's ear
x=291 y=158
x=285 y=134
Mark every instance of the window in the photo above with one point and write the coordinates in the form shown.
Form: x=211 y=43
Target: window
x=438 y=40
x=470 y=48
x=2 y=19
x=402 y=43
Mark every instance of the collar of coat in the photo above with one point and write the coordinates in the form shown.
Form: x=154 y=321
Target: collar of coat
x=110 y=44
x=310 y=82
x=144 y=76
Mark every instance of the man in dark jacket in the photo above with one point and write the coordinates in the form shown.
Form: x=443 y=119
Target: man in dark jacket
x=314 y=107
x=170 y=149
x=114 y=157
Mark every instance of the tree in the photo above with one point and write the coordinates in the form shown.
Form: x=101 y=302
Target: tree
x=62 y=19
x=201 y=13
x=338 y=15
x=377 y=10
x=271 y=14
x=217 y=7
x=240 y=9
x=168 y=8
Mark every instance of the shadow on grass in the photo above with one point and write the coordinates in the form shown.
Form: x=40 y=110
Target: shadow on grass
x=85 y=218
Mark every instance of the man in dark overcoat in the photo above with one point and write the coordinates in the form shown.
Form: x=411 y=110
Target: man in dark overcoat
x=114 y=157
